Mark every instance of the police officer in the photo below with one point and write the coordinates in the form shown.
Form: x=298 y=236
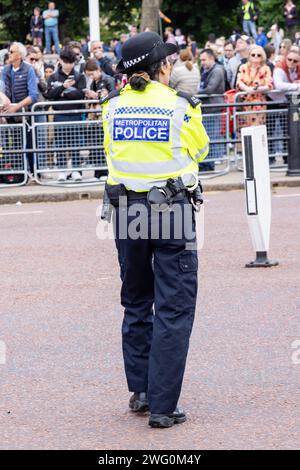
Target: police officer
x=154 y=140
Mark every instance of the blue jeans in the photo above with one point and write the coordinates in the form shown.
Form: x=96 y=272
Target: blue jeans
x=51 y=32
x=249 y=28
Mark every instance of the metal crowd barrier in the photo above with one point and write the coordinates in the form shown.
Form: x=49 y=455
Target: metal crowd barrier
x=78 y=145
x=13 y=140
x=72 y=140
x=216 y=121
x=65 y=141
x=274 y=116
x=239 y=114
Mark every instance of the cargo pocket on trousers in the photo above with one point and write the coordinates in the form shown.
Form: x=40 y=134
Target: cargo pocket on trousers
x=187 y=280
x=188 y=262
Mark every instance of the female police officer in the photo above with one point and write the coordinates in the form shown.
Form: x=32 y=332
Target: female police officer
x=154 y=136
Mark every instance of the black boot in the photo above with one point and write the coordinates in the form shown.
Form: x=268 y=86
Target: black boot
x=167 y=421
x=139 y=402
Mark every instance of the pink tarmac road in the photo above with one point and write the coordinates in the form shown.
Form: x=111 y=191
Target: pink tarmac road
x=62 y=383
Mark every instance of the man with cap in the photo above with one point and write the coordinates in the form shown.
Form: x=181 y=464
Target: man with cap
x=241 y=56
x=154 y=140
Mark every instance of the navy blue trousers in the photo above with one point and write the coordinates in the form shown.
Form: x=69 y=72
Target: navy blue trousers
x=159 y=289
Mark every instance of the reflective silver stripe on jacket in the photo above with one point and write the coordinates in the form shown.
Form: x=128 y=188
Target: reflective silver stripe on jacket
x=152 y=168
x=202 y=151
x=139 y=184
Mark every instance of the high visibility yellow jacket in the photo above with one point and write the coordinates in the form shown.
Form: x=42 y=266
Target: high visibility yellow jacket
x=151 y=136
x=248 y=12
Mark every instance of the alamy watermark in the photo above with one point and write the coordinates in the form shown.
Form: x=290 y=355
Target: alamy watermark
x=135 y=221
x=296 y=353
x=2 y=353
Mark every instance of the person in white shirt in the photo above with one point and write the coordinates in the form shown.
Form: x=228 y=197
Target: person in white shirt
x=287 y=73
x=180 y=39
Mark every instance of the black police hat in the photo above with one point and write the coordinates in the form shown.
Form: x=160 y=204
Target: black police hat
x=143 y=49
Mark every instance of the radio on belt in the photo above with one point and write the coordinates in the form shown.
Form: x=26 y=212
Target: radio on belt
x=258 y=192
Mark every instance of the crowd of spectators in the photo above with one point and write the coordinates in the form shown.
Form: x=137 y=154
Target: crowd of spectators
x=249 y=61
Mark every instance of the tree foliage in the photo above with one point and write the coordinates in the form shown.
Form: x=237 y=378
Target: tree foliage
x=16 y=14
x=272 y=12
x=199 y=17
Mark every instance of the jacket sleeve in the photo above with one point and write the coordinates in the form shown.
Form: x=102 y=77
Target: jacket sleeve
x=255 y=10
x=215 y=80
x=107 y=68
x=230 y=75
x=173 y=79
x=53 y=93
x=193 y=134
x=77 y=94
x=5 y=80
x=268 y=77
x=239 y=76
x=111 y=84
x=33 y=91
x=280 y=83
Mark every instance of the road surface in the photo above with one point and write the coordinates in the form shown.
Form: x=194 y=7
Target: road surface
x=63 y=385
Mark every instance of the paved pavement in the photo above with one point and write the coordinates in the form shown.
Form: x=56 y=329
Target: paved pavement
x=63 y=385
x=37 y=193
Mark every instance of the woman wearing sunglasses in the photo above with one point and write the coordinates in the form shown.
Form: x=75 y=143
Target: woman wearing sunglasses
x=287 y=72
x=255 y=79
x=287 y=79
x=284 y=49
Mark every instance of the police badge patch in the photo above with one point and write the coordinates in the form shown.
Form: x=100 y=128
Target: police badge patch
x=142 y=129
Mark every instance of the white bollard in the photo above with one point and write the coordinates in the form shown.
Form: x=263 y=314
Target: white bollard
x=258 y=192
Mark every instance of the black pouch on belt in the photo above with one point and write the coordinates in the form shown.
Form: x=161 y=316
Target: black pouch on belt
x=106 y=208
x=163 y=197
x=114 y=193
x=197 y=197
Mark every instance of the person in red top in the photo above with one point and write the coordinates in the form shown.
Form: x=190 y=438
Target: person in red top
x=287 y=73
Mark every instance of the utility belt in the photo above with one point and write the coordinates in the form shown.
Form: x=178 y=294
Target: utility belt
x=161 y=199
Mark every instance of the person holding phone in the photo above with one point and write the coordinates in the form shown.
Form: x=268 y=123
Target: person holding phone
x=66 y=85
x=101 y=85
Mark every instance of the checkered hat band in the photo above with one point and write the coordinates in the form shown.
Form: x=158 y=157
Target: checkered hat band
x=130 y=63
x=144 y=110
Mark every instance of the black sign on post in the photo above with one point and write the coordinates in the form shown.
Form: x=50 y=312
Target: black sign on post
x=250 y=183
